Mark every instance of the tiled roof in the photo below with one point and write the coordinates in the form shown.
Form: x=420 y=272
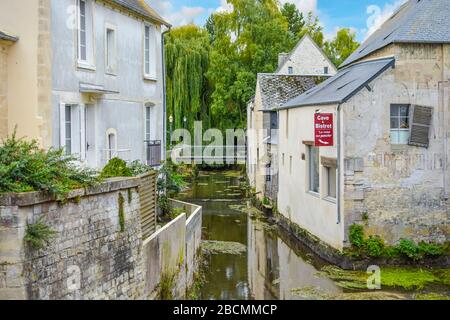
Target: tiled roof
x=277 y=89
x=417 y=21
x=141 y=7
x=344 y=85
x=4 y=36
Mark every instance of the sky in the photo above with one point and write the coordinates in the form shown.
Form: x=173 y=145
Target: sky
x=362 y=16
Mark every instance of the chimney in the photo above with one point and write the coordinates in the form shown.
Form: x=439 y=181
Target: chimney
x=282 y=58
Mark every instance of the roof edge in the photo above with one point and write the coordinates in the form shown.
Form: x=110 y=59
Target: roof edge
x=354 y=92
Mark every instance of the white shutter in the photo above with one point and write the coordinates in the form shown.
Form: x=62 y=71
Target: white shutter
x=62 y=125
x=82 y=132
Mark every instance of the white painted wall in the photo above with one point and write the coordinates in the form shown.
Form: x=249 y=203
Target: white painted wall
x=307 y=59
x=313 y=212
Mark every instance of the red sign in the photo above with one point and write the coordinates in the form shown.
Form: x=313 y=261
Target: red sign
x=323 y=130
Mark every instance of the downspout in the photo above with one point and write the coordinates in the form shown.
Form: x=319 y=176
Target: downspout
x=164 y=94
x=338 y=146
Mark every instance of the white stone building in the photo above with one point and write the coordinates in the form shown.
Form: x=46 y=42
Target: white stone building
x=306 y=66
x=389 y=169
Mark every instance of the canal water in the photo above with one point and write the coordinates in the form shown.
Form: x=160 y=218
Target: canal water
x=272 y=266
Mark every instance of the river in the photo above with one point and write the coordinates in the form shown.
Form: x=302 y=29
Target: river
x=272 y=266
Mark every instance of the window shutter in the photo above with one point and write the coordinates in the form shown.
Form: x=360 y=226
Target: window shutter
x=62 y=125
x=83 y=132
x=419 y=129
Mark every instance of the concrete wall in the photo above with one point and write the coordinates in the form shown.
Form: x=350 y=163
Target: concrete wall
x=123 y=112
x=90 y=257
x=401 y=188
x=172 y=252
x=307 y=59
x=314 y=212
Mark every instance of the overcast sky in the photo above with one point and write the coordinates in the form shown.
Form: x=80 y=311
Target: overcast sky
x=362 y=16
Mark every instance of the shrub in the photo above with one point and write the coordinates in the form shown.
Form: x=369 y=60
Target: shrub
x=170 y=181
x=430 y=249
x=116 y=167
x=374 y=246
x=25 y=167
x=356 y=235
x=38 y=234
x=266 y=201
x=138 y=168
x=409 y=248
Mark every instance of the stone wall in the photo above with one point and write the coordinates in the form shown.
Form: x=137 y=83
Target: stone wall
x=91 y=257
x=398 y=191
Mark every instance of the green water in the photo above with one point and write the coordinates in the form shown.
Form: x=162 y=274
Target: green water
x=273 y=266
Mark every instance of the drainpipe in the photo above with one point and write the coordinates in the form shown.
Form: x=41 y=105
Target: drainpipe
x=164 y=93
x=338 y=146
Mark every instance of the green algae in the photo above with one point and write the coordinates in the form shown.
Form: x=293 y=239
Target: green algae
x=315 y=293
x=404 y=278
x=223 y=247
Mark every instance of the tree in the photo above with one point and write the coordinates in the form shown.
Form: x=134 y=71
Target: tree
x=314 y=29
x=187 y=59
x=245 y=41
x=295 y=20
x=342 y=46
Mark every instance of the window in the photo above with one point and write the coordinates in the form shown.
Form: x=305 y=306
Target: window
x=313 y=168
x=331 y=182
x=399 y=124
x=110 y=47
x=268 y=172
x=149 y=52
x=325 y=70
x=147 y=123
x=85 y=34
x=112 y=147
x=68 y=129
x=290 y=70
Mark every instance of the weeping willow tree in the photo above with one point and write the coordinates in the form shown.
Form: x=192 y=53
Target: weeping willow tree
x=187 y=59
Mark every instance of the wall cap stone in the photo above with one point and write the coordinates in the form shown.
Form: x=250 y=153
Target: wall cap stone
x=31 y=198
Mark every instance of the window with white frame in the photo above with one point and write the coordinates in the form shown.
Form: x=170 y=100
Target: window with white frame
x=325 y=70
x=290 y=70
x=72 y=129
x=313 y=169
x=149 y=52
x=85 y=33
x=331 y=182
x=110 y=49
x=399 y=124
x=148 y=123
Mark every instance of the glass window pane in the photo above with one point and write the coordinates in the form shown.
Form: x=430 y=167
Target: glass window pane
x=395 y=110
x=404 y=111
x=314 y=169
x=403 y=136
x=394 y=123
x=394 y=136
x=331 y=182
x=404 y=123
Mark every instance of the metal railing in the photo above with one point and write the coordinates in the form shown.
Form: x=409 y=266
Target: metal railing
x=153 y=152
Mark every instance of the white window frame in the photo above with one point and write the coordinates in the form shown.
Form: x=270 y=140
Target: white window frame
x=328 y=170
x=149 y=46
x=310 y=170
x=88 y=62
x=111 y=68
x=290 y=70
x=77 y=129
x=397 y=130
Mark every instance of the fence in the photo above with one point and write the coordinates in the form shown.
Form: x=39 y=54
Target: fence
x=147 y=199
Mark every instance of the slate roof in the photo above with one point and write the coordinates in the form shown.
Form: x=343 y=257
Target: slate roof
x=417 y=21
x=344 y=85
x=4 y=36
x=141 y=7
x=277 y=89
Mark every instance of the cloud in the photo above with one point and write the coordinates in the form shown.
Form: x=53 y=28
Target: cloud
x=224 y=6
x=378 y=16
x=304 y=6
x=184 y=15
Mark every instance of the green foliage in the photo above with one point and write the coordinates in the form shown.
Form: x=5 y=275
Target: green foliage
x=38 y=234
x=121 y=213
x=166 y=285
x=374 y=246
x=25 y=167
x=266 y=201
x=187 y=52
x=356 y=235
x=170 y=182
x=116 y=167
x=342 y=46
x=175 y=212
x=294 y=18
